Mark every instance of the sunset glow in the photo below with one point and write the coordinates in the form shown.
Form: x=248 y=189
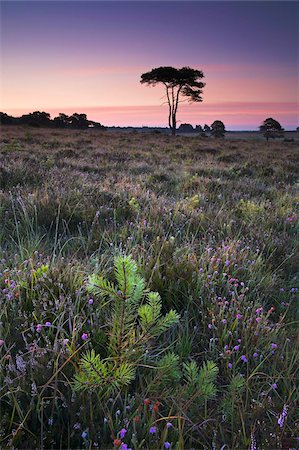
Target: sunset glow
x=88 y=57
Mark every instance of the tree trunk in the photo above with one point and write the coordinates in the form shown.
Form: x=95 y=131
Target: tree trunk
x=173 y=125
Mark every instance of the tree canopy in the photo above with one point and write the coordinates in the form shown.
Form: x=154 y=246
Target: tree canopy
x=185 y=82
x=271 y=129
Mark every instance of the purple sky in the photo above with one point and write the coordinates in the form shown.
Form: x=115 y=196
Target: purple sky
x=88 y=57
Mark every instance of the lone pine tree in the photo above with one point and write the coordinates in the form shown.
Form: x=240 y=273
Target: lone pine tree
x=179 y=83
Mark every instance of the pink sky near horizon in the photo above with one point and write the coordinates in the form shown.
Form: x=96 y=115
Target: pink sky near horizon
x=227 y=95
x=236 y=115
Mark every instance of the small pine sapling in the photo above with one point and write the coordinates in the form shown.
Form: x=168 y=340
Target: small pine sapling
x=134 y=319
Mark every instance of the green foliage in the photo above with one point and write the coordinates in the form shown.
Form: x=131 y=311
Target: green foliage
x=134 y=204
x=131 y=326
x=250 y=210
x=231 y=400
x=169 y=372
x=41 y=271
x=102 y=375
x=98 y=285
x=200 y=382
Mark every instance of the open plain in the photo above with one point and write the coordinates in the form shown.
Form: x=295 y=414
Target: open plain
x=211 y=226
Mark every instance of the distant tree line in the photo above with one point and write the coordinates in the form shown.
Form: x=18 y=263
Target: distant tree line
x=270 y=128
x=217 y=129
x=40 y=119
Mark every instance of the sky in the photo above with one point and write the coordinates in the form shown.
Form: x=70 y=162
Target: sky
x=88 y=57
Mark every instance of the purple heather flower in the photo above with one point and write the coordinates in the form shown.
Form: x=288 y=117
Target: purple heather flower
x=227 y=263
x=210 y=326
x=238 y=316
x=258 y=310
x=169 y=425
x=274 y=346
x=48 y=324
x=230 y=366
x=253 y=445
x=153 y=430
x=244 y=359
x=38 y=327
x=258 y=319
x=90 y=301
x=1 y=342
x=274 y=386
x=84 y=435
x=124 y=446
x=201 y=270
x=224 y=321
x=239 y=340
x=122 y=433
x=167 y=444
x=65 y=341
x=255 y=355
x=283 y=416
x=236 y=348
x=84 y=337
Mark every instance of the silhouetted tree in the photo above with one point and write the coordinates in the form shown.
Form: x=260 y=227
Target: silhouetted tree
x=186 y=128
x=218 y=129
x=206 y=128
x=61 y=121
x=36 y=119
x=5 y=119
x=184 y=82
x=78 y=121
x=271 y=129
x=199 y=128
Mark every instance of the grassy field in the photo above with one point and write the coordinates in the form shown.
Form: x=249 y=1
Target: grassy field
x=148 y=291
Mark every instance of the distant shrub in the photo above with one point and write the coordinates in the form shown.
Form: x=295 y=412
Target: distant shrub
x=271 y=129
x=218 y=129
x=186 y=128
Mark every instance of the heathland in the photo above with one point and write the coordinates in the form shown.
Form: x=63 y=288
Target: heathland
x=148 y=291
